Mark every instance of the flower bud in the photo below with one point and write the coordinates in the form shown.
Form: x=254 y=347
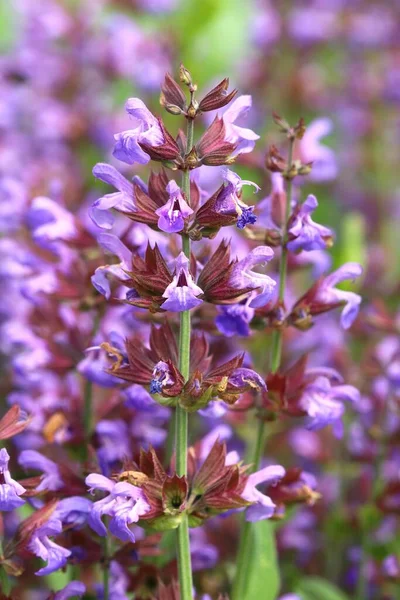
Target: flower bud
x=184 y=75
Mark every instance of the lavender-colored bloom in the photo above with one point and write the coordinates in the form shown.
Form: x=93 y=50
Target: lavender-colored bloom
x=263 y=507
x=10 y=490
x=138 y=397
x=100 y=279
x=323 y=402
x=173 y=214
x=41 y=545
x=94 y=366
x=307 y=234
x=244 y=138
x=114 y=443
x=160 y=378
x=306 y=444
x=150 y=428
x=233 y=202
x=221 y=432
x=50 y=222
x=158 y=6
x=391 y=566
x=312 y=24
x=266 y=25
x=328 y=294
x=147 y=131
x=234 y=319
x=13 y=199
x=181 y=294
x=243 y=376
x=73 y=511
x=276 y=197
x=118 y=584
x=51 y=480
x=323 y=158
x=123 y=200
x=74 y=589
x=244 y=276
x=125 y=504
x=290 y=597
x=204 y=555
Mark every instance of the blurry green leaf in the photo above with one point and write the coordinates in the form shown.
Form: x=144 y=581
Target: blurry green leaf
x=5 y=582
x=353 y=246
x=213 y=35
x=263 y=580
x=7 y=25
x=316 y=588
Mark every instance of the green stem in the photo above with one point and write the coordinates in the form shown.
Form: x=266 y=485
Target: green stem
x=244 y=554
x=362 y=583
x=244 y=550
x=181 y=422
x=87 y=409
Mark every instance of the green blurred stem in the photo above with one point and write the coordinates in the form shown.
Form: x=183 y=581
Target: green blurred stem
x=244 y=554
x=362 y=583
x=181 y=416
x=87 y=409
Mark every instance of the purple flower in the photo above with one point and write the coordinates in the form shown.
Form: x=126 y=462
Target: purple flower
x=181 y=294
x=232 y=199
x=323 y=158
x=41 y=545
x=100 y=279
x=243 y=376
x=173 y=214
x=391 y=566
x=147 y=131
x=114 y=442
x=327 y=293
x=118 y=585
x=234 y=319
x=271 y=209
x=304 y=234
x=243 y=275
x=161 y=377
x=50 y=222
x=263 y=507
x=204 y=554
x=74 y=589
x=73 y=511
x=125 y=504
x=50 y=480
x=138 y=397
x=123 y=200
x=323 y=402
x=94 y=366
x=10 y=490
x=244 y=138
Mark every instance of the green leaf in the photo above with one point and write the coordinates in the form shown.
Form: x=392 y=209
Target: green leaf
x=5 y=582
x=353 y=244
x=263 y=580
x=316 y=588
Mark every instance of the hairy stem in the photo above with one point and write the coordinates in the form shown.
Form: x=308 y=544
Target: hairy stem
x=181 y=422
x=244 y=550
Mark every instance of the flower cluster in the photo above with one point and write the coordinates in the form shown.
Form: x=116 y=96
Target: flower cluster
x=196 y=395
